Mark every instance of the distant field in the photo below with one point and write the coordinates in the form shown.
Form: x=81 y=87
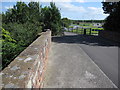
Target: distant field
x=80 y=31
x=87 y=26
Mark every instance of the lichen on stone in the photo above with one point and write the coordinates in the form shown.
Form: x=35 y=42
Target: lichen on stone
x=22 y=76
x=15 y=68
x=11 y=85
x=27 y=59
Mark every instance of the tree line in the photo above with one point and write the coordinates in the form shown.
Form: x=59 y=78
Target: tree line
x=21 y=25
x=87 y=21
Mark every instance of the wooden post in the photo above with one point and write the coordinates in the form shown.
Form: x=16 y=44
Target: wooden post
x=84 y=31
x=90 y=32
x=77 y=30
x=80 y=30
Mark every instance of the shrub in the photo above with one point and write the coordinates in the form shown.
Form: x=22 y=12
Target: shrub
x=8 y=47
x=15 y=38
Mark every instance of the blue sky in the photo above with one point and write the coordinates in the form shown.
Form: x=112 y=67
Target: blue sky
x=72 y=9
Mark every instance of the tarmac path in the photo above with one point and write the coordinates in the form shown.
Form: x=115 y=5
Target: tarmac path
x=70 y=67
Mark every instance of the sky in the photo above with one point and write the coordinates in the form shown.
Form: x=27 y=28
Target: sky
x=72 y=9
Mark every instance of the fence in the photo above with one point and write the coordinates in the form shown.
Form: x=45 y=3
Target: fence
x=86 y=31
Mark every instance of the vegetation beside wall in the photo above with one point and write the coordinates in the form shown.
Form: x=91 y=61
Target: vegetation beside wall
x=21 y=25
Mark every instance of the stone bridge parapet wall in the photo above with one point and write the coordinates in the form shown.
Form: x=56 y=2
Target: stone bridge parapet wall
x=27 y=69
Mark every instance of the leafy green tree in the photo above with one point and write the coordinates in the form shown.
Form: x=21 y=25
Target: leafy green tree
x=109 y=7
x=8 y=47
x=112 y=21
x=16 y=14
x=21 y=26
x=52 y=18
x=22 y=23
x=22 y=13
x=66 y=22
x=34 y=12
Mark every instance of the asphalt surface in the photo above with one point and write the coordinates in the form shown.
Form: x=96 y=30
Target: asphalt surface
x=70 y=67
x=102 y=51
x=106 y=58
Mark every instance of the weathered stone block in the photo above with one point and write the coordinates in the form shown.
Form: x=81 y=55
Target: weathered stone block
x=26 y=70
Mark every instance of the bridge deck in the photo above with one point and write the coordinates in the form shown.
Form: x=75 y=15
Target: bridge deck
x=70 y=67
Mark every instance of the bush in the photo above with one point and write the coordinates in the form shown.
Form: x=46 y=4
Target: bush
x=24 y=34
x=22 y=23
x=9 y=47
x=16 y=37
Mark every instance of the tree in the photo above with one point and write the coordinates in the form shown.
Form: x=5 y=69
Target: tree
x=34 y=12
x=66 y=22
x=109 y=7
x=22 y=13
x=8 y=47
x=20 y=27
x=17 y=13
x=52 y=18
x=112 y=22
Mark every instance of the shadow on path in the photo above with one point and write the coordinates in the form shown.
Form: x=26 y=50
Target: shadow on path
x=102 y=51
x=85 y=39
x=70 y=67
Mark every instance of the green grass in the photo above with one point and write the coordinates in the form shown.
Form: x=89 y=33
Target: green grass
x=81 y=31
x=70 y=26
x=98 y=28
x=86 y=25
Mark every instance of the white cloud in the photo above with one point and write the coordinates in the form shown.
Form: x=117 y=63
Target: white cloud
x=68 y=7
x=81 y=1
x=8 y=7
x=72 y=11
x=95 y=10
x=79 y=12
x=93 y=0
x=96 y=13
x=92 y=8
x=44 y=0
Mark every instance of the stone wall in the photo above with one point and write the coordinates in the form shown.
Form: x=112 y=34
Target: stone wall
x=110 y=35
x=27 y=69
